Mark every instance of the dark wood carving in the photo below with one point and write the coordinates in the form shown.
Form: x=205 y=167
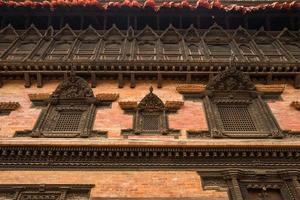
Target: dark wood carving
x=235 y=109
x=7 y=107
x=148 y=157
x=70 y=110
x=119 y=54
x=45 y=192
x=254 y=185
x=150 y=116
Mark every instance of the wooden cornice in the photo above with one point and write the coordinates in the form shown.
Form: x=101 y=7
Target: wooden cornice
x=270 y=89
x=146 y=157
x=128 y=105
x=107 y=97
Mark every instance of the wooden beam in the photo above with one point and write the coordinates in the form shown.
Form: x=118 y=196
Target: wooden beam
x=120 y=80
x=269 y=78
x=65 y=75
x=297 y=81
x=188 y=78
x=93 y=80
x=159 y=80
x=1 y=81
x=39 y=80
x=27 y=80
x=132 y=80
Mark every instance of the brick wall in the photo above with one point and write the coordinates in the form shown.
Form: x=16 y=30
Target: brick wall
x=113 y=119
x=122 y=184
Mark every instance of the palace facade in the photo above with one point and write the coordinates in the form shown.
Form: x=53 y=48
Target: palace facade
x=149 y=100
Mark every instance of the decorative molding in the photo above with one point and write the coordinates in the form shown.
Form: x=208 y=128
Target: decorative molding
x=7 y=107
x=271 y=89
x=296 y=105
x=39 y=99
x=173 y=105
x=147 y=157
x=128 y=105
x=110 y=97
x=190 y=88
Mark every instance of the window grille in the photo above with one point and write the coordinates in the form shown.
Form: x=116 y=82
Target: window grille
x=68 y=121
x=294 y=49
x=236 y=117
x=150 y=122
x=41 y=196
x=271 y=52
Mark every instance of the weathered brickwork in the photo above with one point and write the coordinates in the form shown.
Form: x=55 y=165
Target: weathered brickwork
x=141 y=184
x=114 y=119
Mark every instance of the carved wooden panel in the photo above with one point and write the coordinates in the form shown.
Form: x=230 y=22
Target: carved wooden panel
x=45 y=192
x=234 y=109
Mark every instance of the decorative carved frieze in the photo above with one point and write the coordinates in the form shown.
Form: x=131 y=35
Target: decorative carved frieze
x=174 y=105
x=107 y=97
x=101 y=53
x=45 y=192
x=7 y=107
x=190 y=88
x=145 y=157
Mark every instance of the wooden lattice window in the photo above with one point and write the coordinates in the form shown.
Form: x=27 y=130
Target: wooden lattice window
x=271 y=52
x=194 y=52
x=146 y=51
x=68 y=121
x=70 y=113
x=112 y=50
x=294 y=49
x=219 y=51
x=21 y=51
x=264 y=194
x=85 y=50
x=60 y=50
x=248 y=53
x=234 y=109
x=236 y=117
x=172 y=51
x=150 y=117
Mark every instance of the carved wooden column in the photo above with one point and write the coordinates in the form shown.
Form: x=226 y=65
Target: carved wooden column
x=232 y=180
x=292 y=178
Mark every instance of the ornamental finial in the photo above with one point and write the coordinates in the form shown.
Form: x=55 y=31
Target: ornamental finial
x=151 y=89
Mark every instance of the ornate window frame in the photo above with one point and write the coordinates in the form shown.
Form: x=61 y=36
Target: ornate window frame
x=232 y=87
x=150 y=105
x=73 y=101
x=47 y=192
x=238 y=182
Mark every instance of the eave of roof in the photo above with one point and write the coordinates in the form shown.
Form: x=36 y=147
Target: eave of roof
x=149 y=4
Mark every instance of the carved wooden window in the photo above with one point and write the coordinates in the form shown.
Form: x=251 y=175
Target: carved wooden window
x=45 y=192
x=146 y=51
x=219 y=51
x=21 y=51
x=112 y=51
x=248 y=52
x=70 y=113
x=4 y=45
x=235 y=109
x=60 y=50
x=271 y=52
x=294 y=49
x=150 y=117
x=236 y=117
x=172 y=51
x=85 y=50
x=263 y=194
x=194 y=52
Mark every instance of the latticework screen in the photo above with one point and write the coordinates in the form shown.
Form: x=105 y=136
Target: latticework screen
x=68 y=121
x=236 y=117
x=150 y=122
